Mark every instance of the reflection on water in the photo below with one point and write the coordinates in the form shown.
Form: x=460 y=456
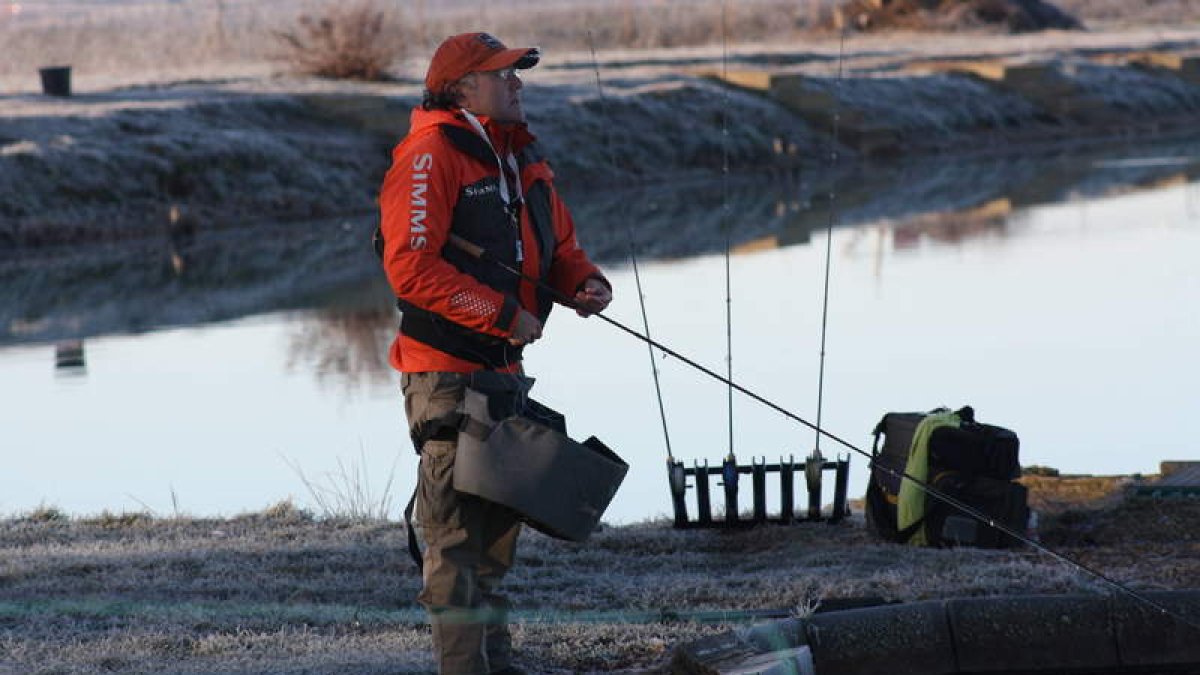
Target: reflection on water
x=1063 y=307
x=344 y=347
x=69 y=358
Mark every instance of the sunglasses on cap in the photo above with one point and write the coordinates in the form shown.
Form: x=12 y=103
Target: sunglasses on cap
x=509 y=74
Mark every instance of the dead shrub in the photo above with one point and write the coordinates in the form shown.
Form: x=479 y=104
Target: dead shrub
x=356 y=41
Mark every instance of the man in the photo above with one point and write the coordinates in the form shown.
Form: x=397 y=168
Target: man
x=468 y=167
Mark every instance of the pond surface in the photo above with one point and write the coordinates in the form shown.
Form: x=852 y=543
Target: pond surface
x=1073 y=320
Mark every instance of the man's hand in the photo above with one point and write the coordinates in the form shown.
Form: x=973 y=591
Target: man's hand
x=592 y=298
x=526 y=330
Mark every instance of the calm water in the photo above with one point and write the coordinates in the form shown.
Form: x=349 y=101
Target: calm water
x=1074 y=323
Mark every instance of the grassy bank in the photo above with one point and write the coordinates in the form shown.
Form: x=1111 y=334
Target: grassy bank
x=283 y=592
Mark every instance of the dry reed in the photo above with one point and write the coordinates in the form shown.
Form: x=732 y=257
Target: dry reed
x=359 y=41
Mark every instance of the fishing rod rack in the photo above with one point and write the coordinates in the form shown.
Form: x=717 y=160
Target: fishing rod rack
x=728 y=475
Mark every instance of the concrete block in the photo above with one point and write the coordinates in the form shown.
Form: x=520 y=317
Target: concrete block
x=984 y=69
x=1168 y=467
x=756 y=245
x=1032 y=633
x=1148 y=637
x=1182 y=65
x=754 y=80
x=1179 y=478
x=855 y=128
x=912 y=639
x=1189 y=69
x=1164 y=60
x=792 y=91
x=1037 y=80
x=996 y=208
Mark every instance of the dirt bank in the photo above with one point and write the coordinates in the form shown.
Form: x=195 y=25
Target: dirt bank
x=282 y=592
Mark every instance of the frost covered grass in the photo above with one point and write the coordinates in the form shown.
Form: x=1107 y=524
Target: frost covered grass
x=1131 y=12
x=211 y=36
x=346 y=494
x=283 y=591
x=211 y=39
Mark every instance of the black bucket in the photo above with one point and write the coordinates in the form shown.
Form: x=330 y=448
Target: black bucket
x=56 y=80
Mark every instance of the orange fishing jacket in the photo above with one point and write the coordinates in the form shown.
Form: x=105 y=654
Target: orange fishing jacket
x=457 y=310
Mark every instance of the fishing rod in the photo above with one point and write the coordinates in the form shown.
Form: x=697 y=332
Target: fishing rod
x=637 y=276
x=833 y=157
x=480 y=253
x=725 y=216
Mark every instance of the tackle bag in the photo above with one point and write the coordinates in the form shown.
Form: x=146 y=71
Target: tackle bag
x=972 y=462
x=525 y=461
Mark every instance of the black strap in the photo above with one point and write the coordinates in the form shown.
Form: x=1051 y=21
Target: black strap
x=456 y=340
x=469 y=142
x=414 y=549
x=444 y=427
x=543 y=228
x=907 y=533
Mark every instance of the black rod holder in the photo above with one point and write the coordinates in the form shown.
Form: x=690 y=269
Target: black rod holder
x=677 y=478
x=760 y=490
x=841 y=479
x=729 y=476
x=787 y=504
x=812 y=476
x=703 y=505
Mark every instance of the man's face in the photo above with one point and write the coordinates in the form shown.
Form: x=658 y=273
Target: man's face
x=495 y=93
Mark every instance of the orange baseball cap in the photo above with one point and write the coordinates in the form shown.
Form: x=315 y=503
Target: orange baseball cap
x=472 y=52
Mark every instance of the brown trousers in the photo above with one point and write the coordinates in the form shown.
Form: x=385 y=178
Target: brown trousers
x=469 y=544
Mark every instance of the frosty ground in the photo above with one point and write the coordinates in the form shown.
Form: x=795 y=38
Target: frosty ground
x=281 y=591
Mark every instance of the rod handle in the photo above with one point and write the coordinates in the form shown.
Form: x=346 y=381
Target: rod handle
x=473 y=250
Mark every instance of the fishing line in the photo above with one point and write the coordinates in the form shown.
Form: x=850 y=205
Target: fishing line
x=833 y=160
x=637 y=277
x=478 y=252
x=725 y=212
